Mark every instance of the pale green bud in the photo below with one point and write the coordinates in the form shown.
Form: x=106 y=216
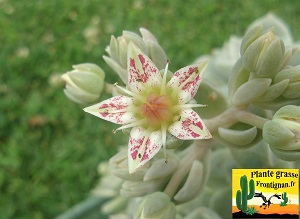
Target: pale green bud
x=270 y=20
x=282 y=133
x=84 y=84
x=264 y=56
x=293 y=76
x=156 y=205
x=156 y=52
x=117 y=51
x=203 y=213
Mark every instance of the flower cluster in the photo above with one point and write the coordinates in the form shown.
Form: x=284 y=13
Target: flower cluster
x=252 y=90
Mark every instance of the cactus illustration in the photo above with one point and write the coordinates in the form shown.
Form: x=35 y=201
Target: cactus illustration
x=242 y=197
x=285 y=199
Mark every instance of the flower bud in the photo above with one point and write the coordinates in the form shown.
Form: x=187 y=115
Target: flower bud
x=84 y=84
x=156 y=205
x=264 y=56
x=293 y=87
x=281 y=28
x=156 y=52
x=117 y=51
x=282 y=133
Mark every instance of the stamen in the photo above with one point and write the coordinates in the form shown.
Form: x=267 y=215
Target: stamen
x=130 y=125
x=134 y=95
x=187 y=106
x=164 y=81
x=164 y=139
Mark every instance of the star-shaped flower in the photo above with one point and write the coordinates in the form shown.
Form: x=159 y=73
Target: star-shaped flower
x=151 y=106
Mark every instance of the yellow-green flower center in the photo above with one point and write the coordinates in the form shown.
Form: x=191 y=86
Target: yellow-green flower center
x=157 y=109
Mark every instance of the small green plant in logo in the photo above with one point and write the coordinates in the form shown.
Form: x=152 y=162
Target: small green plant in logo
x=285 y=199
x=251 y=211
x=242 y=195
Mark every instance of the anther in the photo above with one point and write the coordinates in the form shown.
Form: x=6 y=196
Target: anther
x=115 y=84
x=114 y=131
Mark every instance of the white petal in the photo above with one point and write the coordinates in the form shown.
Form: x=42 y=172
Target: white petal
x=115 y=109
x=189 y=127
x=143 y=145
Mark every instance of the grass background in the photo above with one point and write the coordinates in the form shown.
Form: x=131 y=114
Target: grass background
x=49 y=148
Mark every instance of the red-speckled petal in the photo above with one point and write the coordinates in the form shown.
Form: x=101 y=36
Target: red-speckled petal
x=113 y=110
x=141 y=150
x=186 y=81
x=141 y=70
x=189 y=127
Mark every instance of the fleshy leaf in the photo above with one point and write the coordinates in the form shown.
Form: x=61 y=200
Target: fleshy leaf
x=189 y=127
x=114 y=110
x=187 y=80
x=142 y=147
x=141 y=70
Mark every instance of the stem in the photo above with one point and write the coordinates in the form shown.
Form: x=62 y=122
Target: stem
x=225 y=119
x=251 y=119
x=196 y=152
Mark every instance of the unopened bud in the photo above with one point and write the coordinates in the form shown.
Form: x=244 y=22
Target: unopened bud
x=84 y=84
x=293 y=75
x=264 y=56
x=282 y=133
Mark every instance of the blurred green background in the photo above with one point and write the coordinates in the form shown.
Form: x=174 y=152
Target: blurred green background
x=49 y=148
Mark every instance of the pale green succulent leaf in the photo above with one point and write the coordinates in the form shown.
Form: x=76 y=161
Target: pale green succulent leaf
x=122 y=72
x=292 y=90
x=239 y=137
x=239 y=76
x=291 y=73
x=274 y=91
x=194 y=180
x=251 y=35
x=114 y=48
x=115 y=205
x=273 y=58
x=203 y=213
x=251 y=91
x=286 y=155
x=156 y=171
x=136 y=39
